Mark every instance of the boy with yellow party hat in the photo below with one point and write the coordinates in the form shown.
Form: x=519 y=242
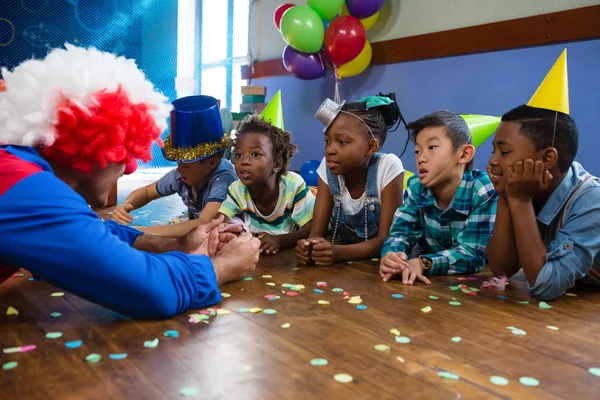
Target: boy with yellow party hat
x=548 y=206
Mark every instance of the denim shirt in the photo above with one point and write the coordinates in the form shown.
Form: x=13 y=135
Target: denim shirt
x=573 y=249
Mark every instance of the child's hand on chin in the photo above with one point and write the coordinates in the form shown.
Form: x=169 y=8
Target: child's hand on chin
x=269 y=244
x=392 y=264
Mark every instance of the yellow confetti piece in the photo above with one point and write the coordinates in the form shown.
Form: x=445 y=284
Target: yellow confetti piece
x=286 y=325
x=267 y=276
x=222 y=311
x=270 y=283
x=382 y=347
x=552 y=328
x=225 y=295
x=400 y=359
x=395 y=332
x=12 y=311
x=323 y=302
x=355 y=300
x=255 y=310
x=426 y=309
x=343 y=378
x=57 y=294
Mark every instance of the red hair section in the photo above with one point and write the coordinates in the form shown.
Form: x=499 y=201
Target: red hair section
x=111 y=130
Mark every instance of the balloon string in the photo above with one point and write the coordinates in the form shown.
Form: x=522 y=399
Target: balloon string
x=336 y=95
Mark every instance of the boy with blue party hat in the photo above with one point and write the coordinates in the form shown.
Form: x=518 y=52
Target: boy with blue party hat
x=196 y=142
x=548 y=204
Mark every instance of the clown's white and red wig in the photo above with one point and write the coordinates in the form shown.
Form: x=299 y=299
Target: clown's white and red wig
x=83 y=107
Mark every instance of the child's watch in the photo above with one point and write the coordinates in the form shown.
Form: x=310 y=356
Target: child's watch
x=426 y=262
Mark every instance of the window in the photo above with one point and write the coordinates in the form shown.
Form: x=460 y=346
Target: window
x=212 y=47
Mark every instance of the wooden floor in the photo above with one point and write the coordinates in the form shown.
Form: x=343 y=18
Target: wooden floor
x=250 y=356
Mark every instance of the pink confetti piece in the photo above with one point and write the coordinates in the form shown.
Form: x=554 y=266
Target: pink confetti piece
x=292 y=294
x=472 y=278
x=345 y=294
x=29 y=347
x=321 y=284
x=497 y=283
x=462 y=279
x=193 y=320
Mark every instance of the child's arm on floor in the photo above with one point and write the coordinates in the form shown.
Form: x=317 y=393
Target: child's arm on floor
x=136 y=199
x=209 y=212
x=501 y=250
x=319 y=224
x=324 y=253
x=272 y=244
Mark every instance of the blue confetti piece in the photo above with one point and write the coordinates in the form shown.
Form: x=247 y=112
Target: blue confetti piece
x=318 y=291
x=503 y=297
x=74 y=344
x=172 y=333
x=118 y=356
x=397 y=296
x=30 y=279
x=361 y=307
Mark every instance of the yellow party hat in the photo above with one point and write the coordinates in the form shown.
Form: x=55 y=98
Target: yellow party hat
x=553 y=92
x=273 y=112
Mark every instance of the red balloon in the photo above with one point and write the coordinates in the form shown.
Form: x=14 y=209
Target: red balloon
x=344 y=39
x=279 y=13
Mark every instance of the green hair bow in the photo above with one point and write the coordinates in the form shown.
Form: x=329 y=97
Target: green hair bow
x=375 y=101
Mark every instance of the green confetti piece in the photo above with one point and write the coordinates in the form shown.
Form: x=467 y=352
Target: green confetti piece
x=594 y=371
x=269 y=311
x=151 y=343
x=474 y=289
x=434 y=297
x=454 y=303
x=10 y=365
x=448 y=375
x=529 y=381
x=171 y=333
x=188 y=391
x=242 y=310
x=454 y=288
x=337 y=290
x=93 y=358
x=544 y=305
x=55 y=314
x=319 y=362
x=499 y=380
x=523 y=302
x=119 y=356
x=247 y=279
x=349 y=262
x=57 y=294
x=11 y=350
x=456 y=339
x=403 y=339
x=54 y=335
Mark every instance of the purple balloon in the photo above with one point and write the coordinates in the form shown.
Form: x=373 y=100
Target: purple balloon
x=364 y=8
x=304 y=65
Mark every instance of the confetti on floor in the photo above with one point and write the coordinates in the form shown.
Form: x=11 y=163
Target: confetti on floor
x=54 y=335
x=292 y=294
x=552 y=328
x=119 y=356
x=571 y=294
x=225 y=295
x=255 y=310
x=395 y=332
x=286 y=325
x=454 y=288
x=171 y=333
x=272 y=297
x=426 y=309
x=343 y=378
x=74 y=344
x=337 y=290
x=269 y=311
x=499 y=380
x=189 y=391
x=434 y=297
x=267 y=276
x=12 y=311
x=57 y=294
x=529 y=381
x=222 y=311
x=448 y=375
x=382 y=347
x=93 y=358
x=361 y=307
x=323 y=302
x=454 y=303
x=355 y=300
x=403 y=339
x=270 y=284
x=55 y=314
x=318 y=291
x=150 y=344
x=11 y=350
x=503 y=297
x=523 y=302
x=461 y=279
x=456 y=339
x=247 y=278
x=242 y=310
x=319 y=362
x=400 y=359
x=374 y=259
x=544 y=305
x=397 y=296
x=321 y=284
x=594 y=371
x=516 y=331
x=10 y=365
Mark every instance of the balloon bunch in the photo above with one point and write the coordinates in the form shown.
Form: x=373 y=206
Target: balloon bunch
x=327 y=34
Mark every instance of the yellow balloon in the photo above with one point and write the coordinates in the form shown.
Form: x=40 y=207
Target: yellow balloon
x=359 y=64
x=370 y=21
x=344 y=10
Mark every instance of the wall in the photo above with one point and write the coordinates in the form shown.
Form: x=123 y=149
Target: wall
x=403 y=18
x=489 y=83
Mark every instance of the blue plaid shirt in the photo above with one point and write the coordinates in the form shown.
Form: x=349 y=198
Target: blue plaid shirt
x=454 y=239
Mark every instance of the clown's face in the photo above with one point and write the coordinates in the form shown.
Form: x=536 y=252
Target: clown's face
x=96 y=188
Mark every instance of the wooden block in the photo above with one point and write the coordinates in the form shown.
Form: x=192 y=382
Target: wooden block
x=252 y=107
x=257 y=90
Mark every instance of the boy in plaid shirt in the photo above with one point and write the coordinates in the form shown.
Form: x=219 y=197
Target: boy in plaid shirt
x=449 y=209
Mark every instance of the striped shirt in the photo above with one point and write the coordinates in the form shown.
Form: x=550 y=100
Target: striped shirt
x=293 y=209
x=454 y=239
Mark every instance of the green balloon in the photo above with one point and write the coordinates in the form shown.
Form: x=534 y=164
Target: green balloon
x=302 y=28
x=327 y=9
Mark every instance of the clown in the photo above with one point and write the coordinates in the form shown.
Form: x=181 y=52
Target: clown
x=70 y=126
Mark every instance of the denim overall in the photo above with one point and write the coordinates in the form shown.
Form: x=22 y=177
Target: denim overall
x=351 y=228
